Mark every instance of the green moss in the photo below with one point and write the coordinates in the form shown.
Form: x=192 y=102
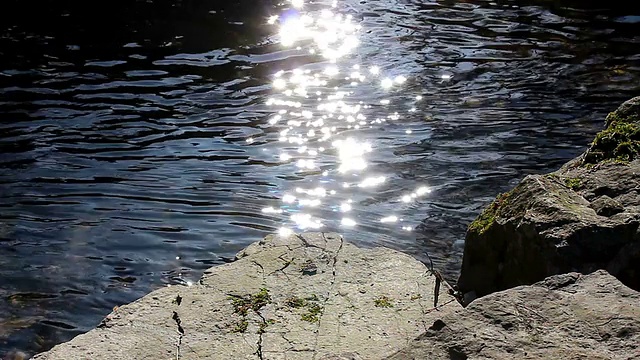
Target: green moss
x=573 y=183
x=383 y=301
x=312 y=314
x=620 y=141
x=488 y=216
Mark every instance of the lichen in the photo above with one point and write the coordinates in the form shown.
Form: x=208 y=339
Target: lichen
x=383 y=301
x=619 y=142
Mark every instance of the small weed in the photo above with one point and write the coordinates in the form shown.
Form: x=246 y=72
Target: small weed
x=313 y=313
x=295 y=302
x=416 y=297
x=255 y=302
x=242 y=305
x=383 y=301
x=312 y=309
x=241 y=326
x=262 y=327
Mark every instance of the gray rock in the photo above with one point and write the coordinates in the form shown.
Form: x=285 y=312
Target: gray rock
x=273 y=304
x=582 y=217
x=570 y=316
x=606 y=206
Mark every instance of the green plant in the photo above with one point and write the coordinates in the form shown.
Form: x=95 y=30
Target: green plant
x=312 y=314
x=383 y=301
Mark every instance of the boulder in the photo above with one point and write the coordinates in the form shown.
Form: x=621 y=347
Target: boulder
x=583 y=217
x=309 y=296
x=568 y=316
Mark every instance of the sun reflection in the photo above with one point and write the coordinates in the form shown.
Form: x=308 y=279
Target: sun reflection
x=372 y=181
x=320 y=126
x=348 y=222
x=284 y=231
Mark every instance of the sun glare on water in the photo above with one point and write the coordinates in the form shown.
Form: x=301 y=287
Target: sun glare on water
x=319 y=124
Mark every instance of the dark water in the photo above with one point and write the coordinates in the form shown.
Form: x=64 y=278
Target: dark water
x=140 y=143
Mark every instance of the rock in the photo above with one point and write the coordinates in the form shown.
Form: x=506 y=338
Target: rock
x=569 y=316
x=606 y=206
x=582 y=217
x=309 y=296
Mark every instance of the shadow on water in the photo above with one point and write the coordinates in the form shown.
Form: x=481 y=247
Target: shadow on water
x=135 y=148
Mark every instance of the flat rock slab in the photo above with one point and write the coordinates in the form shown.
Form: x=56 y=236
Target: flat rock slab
x=309 y=296
x=568 y=316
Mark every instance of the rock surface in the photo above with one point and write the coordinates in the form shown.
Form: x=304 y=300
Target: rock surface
x=311 y=296
x=582 y=217
x=568 y=316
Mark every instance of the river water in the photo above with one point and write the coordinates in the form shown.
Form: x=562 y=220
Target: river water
x=142 y=143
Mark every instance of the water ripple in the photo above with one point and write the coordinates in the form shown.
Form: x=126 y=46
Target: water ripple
x=139 y=158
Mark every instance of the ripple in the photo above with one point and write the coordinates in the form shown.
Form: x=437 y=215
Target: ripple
x=138 y=159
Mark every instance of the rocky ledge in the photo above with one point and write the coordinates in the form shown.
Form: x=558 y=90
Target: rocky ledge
x=314 y=296
x=580 y=218
x=309 y=296
x=568 y=316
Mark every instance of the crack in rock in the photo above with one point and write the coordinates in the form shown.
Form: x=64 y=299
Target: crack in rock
x=286 y=265
x=308 y=244
x=261 y=267
x=330 y=292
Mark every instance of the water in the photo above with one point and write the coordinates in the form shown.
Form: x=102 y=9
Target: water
x=143 y=143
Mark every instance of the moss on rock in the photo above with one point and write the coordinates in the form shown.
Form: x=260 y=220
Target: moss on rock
x=488 y=216
x=573 y=183
x=383 y=301
x=620 y=141
x=312 y=314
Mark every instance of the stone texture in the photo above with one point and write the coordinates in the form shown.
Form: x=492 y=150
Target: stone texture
x=568 y=316
x=582 y=217
x=311 y=296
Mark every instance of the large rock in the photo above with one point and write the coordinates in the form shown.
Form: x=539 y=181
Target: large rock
x=311 y=296
x=569 y=316
x=582 y=217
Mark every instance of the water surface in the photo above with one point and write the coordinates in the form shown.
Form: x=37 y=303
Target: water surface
x=142 y=143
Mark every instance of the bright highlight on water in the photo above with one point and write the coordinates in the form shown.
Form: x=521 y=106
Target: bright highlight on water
x=314 y=110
